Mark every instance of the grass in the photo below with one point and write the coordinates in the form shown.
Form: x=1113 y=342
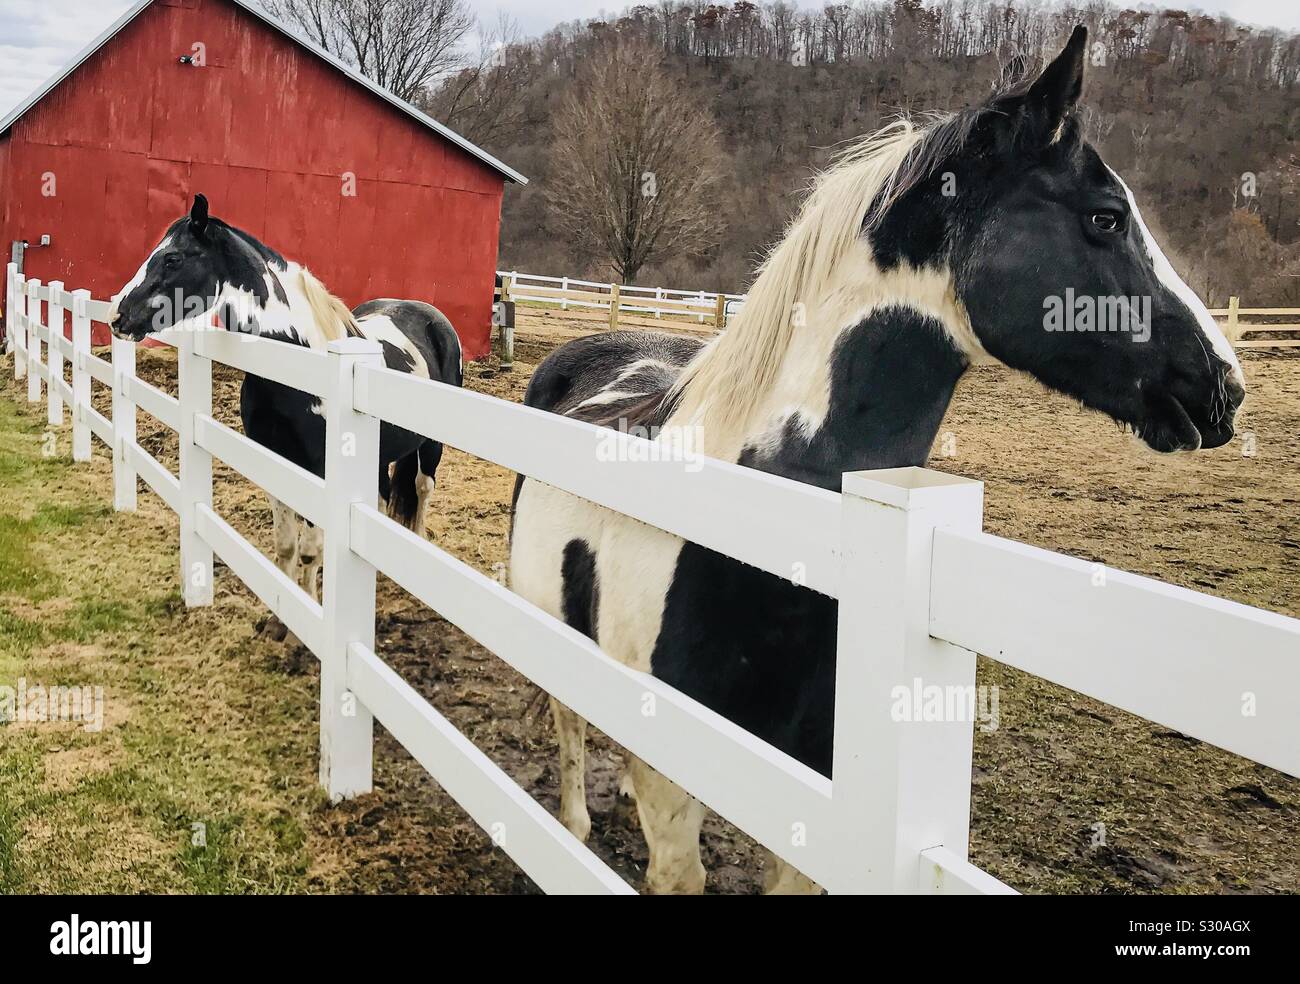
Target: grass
x=202 y=776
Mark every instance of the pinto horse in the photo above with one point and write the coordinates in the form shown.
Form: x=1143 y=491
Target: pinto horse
x=924 y=250
x=205 y=269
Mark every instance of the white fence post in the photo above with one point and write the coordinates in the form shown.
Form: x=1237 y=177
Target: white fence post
x=16 y=312
x=55 y=315
x=13 y=314
x=194 y=384
x=564 y=298
x=899 y=785
x=351 y=476
x=80 y=377
x=33 y=342
x=124 y=417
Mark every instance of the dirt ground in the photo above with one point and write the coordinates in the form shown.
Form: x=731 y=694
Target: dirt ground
x=1068 y=795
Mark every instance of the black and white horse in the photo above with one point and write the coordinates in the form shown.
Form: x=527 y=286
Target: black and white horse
x=922 y=251
x=205 y=269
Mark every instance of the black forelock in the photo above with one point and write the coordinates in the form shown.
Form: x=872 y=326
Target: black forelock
x=997 y=130
x=950 y=136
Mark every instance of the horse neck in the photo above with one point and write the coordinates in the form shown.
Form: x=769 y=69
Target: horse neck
x=298 y=307
x=864 y=383
x=303 y=314
x=890 y=381
x=288 y=313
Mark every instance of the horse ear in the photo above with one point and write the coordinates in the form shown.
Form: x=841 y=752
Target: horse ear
x=1055 y=92
x=199 y=215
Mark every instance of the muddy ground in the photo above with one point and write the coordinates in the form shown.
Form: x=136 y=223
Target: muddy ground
x=1068 y=795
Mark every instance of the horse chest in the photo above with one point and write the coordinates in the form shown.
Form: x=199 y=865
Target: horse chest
x=282 y=420
x=754 y=647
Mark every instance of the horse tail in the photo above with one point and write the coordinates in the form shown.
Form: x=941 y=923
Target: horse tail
x=445 y=344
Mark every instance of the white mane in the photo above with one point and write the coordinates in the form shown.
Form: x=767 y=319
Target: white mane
x=815 y=282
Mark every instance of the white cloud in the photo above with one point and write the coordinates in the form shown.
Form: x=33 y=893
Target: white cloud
x=1265 y=13
x=41 y=38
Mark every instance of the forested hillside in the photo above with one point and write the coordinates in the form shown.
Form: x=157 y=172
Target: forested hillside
x=1200 y=115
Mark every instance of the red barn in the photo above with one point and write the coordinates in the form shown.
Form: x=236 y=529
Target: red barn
x=309 y=156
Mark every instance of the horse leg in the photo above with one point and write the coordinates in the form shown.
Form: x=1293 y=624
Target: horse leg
x=284 y=525
x=571 y=736
x=429 y=454
x=311 y=547
x=780 y=878
x=623 y=813
x=385 y=486
x=671 y=819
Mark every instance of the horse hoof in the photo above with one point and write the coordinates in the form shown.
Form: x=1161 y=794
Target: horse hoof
x=273 y=629
x=688 y=882
x=623 y=815
x=579 y=826
x=299 y=659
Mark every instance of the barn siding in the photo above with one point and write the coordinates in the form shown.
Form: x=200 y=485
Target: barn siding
x=266 y=131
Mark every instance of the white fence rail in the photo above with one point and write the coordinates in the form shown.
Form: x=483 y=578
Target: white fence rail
x=569 y=293
x=922 y=589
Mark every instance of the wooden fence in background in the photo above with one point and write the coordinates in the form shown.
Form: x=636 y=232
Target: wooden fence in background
x=618 y=304
x=1259 y=332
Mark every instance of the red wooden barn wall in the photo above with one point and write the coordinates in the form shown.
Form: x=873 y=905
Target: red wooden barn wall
x=266 y=130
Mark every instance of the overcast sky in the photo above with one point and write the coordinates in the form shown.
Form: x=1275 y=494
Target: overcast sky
x=41 y=36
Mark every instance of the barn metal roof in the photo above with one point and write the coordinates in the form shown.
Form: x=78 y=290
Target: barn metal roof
x=137 y=7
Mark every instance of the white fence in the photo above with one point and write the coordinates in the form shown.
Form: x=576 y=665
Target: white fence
x=923 y=588
x=569 y=292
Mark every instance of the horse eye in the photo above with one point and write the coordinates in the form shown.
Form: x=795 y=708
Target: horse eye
x=172 y=259
x=1106 y=221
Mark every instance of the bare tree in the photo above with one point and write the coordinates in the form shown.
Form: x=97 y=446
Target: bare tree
x=482 y=101
x=403 y=45
x=634 y=163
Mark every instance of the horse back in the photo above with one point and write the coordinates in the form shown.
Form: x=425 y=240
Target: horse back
x=600 y=378
x=423 y=328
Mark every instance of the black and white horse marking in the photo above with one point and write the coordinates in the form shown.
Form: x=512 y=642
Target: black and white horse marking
x=882 y=293
x=204 y=268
